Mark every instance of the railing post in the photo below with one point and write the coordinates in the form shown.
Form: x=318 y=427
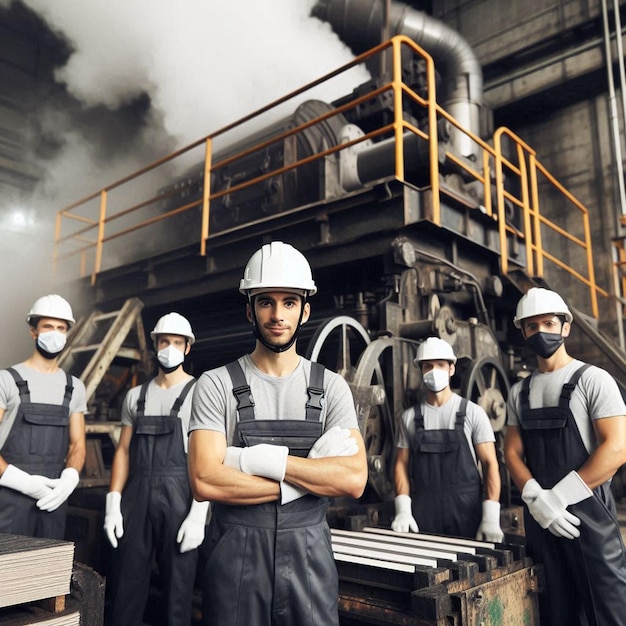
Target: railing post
x=100 y=243
x=206 y=195
x=433 y=146
x=618 y=286
x=398 y=118
x=532 y=231
x=591 y=275
x=497 y=164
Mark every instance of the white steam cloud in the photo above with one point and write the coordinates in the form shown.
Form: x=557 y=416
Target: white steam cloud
x=202 y=64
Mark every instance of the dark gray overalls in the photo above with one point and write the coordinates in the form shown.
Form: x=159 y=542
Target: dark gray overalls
x=586 y=577
x=272 y=565
x=446 y=486
x=38 y=444
x=155 y=502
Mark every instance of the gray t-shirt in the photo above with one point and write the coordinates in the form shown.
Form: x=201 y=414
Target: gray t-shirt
x=214 y=406
x=596 y=396
x=477 y=427
x=45 y=388
x=159 y=401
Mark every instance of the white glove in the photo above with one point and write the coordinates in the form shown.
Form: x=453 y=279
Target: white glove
x=191 y=531
x=335 y=441
x=565 y=526
x=231 y=458
x=113 y=520
x=31 y=485
x=264 y=460
x=61 y=490
x=489 y=529
x=404 y=521
x=288 y=492
x=546 y=505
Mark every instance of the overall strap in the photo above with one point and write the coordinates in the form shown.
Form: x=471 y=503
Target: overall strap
x=22 y=385
x=181 y=398
x=69 y=389
x=524 y=393
x=419 y=416
x=570 y=385
x=316 y=392
x=241 y=391
x=566 y=391
x=460 y=415
x=24 y=392
x=141 y=400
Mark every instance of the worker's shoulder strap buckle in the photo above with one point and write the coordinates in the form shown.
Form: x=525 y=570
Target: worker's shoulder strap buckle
x=244 y=396
x=315 y=390
x=315 y=397
x=241 y=391
x=570 y=385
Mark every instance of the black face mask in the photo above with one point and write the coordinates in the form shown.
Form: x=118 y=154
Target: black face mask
x=545 y=344
x=45 y=354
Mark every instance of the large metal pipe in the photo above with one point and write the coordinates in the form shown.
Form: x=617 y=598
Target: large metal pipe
x=359 y=23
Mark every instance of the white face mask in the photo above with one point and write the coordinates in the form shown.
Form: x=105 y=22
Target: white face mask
x=52 y=341
x=437 y=380
x=170 y=357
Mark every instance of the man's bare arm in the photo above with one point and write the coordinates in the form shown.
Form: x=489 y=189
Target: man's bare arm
x=486 y=453
x=514 y=456
x=401 y=472
x=77 y=450
x=331 y=476
x=212 y=480
x=610 y=454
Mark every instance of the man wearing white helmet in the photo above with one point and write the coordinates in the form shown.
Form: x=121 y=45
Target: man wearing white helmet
x=566 y=437
x=42 y=429
x=149 y=507
x=273 y=436
x=441 y=441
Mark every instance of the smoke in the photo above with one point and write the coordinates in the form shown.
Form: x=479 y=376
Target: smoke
x=203 y=64
x=140 y=79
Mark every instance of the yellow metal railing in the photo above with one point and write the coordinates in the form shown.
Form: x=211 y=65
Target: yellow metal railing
x=512 y=180
x=619 y=284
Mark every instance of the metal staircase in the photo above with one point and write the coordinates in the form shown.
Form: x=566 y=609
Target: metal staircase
x=108 y=352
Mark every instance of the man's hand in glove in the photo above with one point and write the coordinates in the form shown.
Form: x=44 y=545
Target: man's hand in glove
x=489 y=529
x=62 y=488
x=31 y=485
x=265 y=460
x=404 y=521
x=113 y=520
x=335 y=441
x=191 y=531
x=549 y=505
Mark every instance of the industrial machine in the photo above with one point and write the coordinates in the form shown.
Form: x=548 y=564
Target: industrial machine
x=415 y=223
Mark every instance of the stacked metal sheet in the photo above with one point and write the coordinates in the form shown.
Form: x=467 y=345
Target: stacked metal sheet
x=432 y=580
x=35 y=616
x=33 y=570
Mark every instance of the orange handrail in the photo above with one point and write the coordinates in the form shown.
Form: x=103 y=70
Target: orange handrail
x=494 y=170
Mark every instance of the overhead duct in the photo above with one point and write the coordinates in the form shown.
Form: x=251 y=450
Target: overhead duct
x=360 y=24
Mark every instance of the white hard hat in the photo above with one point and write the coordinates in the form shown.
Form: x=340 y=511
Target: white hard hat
x=173 y=324
x=434 y=349
x=538 y=301
x=51 y=306
x=277 y=266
